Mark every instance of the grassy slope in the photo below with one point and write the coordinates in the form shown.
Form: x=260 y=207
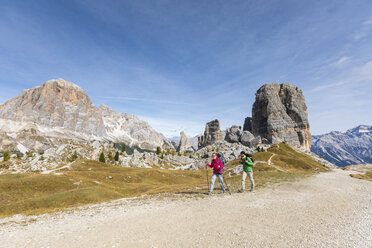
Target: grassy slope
x=286 y=165
x=361 y=171
x=88 y=182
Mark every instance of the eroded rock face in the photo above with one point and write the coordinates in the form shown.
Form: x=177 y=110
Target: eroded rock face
x=212 y=134
x=62 y=110
x=56 y=103
x=280 y=114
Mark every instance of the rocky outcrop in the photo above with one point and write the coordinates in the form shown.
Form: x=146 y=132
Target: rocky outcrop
x=236 y=135
x=280 y=114
x=342 y=149
x=184 y=144
x=248 y=124
x=212 y=134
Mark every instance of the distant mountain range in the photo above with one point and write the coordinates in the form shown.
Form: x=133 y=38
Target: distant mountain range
x=342 y=149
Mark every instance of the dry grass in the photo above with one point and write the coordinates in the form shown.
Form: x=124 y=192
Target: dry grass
x=365 y=176
x=92 y=182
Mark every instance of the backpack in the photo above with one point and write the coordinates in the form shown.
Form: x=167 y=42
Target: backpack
x=223 y=161
x=251 y=157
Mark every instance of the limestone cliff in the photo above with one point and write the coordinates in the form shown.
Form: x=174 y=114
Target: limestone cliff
x=280 y=114
x=56 y=103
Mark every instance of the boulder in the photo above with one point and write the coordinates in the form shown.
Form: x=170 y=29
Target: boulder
x=246 y=138
x=233 y=134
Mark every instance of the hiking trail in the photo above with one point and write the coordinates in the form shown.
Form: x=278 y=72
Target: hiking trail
x=329 y=209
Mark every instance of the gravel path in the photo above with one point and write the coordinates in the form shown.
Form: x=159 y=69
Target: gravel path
x=328 y=210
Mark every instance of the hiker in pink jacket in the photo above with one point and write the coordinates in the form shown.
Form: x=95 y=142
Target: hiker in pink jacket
x=217 y=166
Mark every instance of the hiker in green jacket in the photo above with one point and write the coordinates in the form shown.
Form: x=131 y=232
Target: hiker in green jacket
x=247 y=169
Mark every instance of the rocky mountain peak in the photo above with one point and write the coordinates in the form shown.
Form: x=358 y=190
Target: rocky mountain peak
x=360 y=129
x=59 y=107
x=61 y=83
x=55 y=103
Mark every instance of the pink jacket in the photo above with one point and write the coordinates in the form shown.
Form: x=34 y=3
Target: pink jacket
x=216 y=165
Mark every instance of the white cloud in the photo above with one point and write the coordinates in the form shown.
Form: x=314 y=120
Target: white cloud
x=359 y=74
x=327 y=86
x=368 y=22
x=342 y=61
x=365 y=30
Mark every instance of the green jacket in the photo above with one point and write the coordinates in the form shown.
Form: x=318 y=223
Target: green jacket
x=247 y=164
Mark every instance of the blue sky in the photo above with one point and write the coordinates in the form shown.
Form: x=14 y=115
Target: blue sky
x=180 y=64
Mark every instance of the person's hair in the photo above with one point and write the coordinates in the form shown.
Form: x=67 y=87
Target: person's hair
x=214 y=153
x=242 y=152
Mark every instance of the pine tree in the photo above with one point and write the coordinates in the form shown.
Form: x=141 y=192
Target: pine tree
x=158 y=150
x=6 y=156
x=74 y=156
x=102 y=158
x=116 y=158
x=110 y=156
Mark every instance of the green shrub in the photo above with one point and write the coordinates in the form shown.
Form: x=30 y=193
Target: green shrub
x=116 y=158
x=6 y=156
x=110 y=157
x=158 y=150
x=29 y=154
x=74 y=156
x=102 y=158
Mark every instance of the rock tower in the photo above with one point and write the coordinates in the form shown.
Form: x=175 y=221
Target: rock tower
x=280 y=114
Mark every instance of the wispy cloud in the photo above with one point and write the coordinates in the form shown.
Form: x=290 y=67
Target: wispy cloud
x=327 y=86
x=368 y=22
x=364 y=30
x=144 y=100
x=342 y=61
x=354 y=75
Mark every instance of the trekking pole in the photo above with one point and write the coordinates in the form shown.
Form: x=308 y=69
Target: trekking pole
x=227 y=185
x=206 y=169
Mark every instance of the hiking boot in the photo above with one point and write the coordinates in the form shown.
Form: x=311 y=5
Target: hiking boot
x=209 y=193
x=250 y=190
x=222 y=192
x=240 y=190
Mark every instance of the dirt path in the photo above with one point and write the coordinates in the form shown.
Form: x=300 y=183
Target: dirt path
x=272 y=165
x=328 y=210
